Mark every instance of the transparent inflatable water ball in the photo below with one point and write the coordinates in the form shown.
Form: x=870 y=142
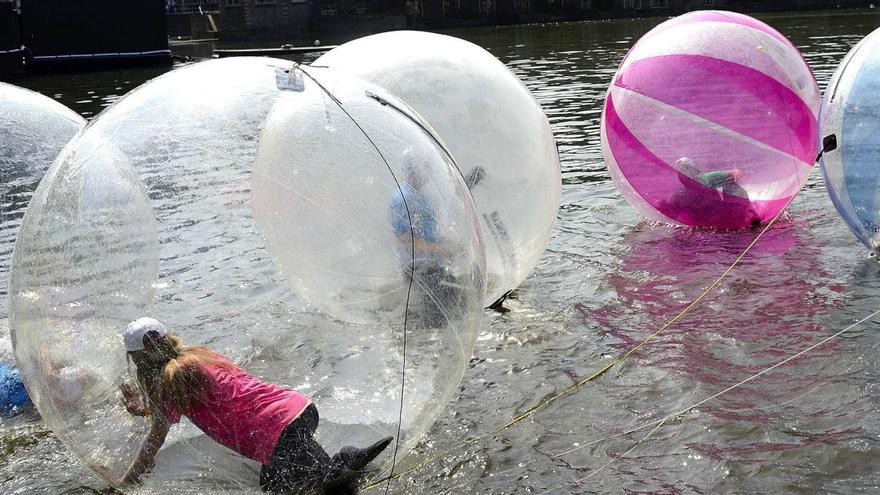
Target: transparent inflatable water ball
x=33 y=129
x=492 y=125
x=711 y=121
x=850 y=116
x=301 y=223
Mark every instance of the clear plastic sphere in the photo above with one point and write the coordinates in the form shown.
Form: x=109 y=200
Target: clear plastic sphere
x=711 y=121
x=851 y=113
x=228 y=199
x=491 y=124
x=33 y=129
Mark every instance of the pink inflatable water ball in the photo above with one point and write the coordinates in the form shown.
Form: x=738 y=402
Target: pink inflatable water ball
x=711 y=121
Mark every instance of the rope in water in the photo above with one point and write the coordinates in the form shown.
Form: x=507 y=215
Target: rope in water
x=681 y=412
x=657 y=423
x=617 y=360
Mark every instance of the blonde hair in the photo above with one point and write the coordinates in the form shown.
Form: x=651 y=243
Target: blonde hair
x=171 y=371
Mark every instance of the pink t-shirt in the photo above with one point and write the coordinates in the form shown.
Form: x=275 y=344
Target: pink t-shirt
x=242 y=412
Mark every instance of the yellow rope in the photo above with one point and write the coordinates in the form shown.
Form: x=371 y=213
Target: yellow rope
x=601 y=371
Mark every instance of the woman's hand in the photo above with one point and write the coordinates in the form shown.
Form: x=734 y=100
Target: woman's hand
x=107 y=474
x=131 y=399
x=146 y=455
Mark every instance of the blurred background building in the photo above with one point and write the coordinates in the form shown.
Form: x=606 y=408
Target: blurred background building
x=51 y=34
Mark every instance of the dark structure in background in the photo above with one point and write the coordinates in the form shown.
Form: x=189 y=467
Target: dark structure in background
x=265 y=19
x=193 y=6
x=66 y=34
x=60 y=34
x=11 y=51
x=193 y=19
x=279 y=19
x=304 y=19
x=445 y=13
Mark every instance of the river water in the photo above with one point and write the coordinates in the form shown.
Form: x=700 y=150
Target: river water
x=607 y=281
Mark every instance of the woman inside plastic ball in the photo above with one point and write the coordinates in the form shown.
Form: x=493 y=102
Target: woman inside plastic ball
x=270 y=424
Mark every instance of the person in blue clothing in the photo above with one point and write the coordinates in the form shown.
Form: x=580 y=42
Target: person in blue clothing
x=413 y=219
x=13 y=395
x=411 y=207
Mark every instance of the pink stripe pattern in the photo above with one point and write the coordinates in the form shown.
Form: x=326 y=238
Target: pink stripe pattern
x=704 y=141
x=722 y=16
x=737 y=97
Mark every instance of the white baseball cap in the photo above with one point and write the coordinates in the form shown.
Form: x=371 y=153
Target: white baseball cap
x=135 y=331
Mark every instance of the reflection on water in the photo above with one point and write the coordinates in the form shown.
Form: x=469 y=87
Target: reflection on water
x=606 y=282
